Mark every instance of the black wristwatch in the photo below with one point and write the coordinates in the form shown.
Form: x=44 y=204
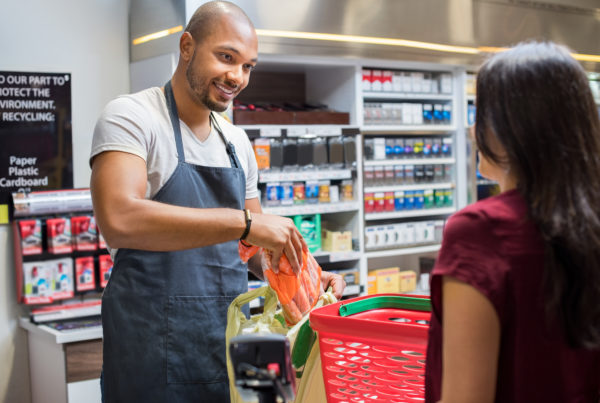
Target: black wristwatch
x=248 y=216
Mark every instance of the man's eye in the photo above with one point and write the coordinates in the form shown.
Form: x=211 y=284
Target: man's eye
x=249 y=67
x=226 y=57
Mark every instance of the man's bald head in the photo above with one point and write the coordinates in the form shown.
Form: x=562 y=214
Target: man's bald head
x=207 y=16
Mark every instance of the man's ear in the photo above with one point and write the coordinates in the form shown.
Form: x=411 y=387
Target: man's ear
x=186 y=46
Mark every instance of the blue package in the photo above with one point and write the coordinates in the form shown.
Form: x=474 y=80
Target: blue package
x=419 y=200
x=409 y=199
x=399 y=201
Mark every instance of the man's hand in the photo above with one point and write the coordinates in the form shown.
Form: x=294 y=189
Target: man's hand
x=278 y=235
x=336 y=282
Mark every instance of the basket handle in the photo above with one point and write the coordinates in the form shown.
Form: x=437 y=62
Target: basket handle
x=388 y=301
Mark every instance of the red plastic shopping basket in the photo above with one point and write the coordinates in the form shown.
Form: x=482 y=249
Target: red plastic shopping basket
x=373 y=348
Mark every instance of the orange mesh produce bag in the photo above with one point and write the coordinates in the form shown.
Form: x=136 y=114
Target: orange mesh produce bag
x=297 y=294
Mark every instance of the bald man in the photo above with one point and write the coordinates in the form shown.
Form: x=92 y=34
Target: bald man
x=174 y=187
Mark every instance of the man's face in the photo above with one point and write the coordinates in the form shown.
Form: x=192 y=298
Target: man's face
x=221 y=64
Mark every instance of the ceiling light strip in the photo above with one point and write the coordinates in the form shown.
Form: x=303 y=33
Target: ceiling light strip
x=366 y=39
x=156 y=35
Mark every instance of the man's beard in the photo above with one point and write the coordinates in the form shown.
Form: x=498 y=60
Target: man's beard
x=200 y=91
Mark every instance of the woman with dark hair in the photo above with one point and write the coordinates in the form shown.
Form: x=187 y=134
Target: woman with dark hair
x=516 y=286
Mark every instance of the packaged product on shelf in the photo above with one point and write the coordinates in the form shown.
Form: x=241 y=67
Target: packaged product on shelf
x=305 y=152
x=391 y=236
x=347 y=192
x=448 y=172
x=438 y=113
x=334 y=194
x=272 y=194
x=409 y=174
x=386 y=280
x=446 y=83
x=30 y=232
x=448 y=197
x=398 y=147
x=389 y=148
x=409 y=199
x=101 y=241
x=369 y=175
x=406 y=82
x=447 y=146
x=84 y=232
x=369 y=202
x=290 y=154
x=436 y=147
x=419 y=199
x=447 y=114
x=397 y=81
x=435 y=84
x=105 y=264
x=398 y=200
x=398 y=174
x=397 y=113
x=312 y=191
x=428 y=199
x=427 y=145
x=417 y=114
x=389 y=176
x=380 y=236
x=439 y=196
x=471 y=114
x=389 y=204
x=377 y=80
x=324 y=191
x=287 y=193
x=366 y=79
x=417 y=81
x=429 y=173
x=262 y=151
x=336 y=152
x=299 y=193
x=58 y=232
x=336 y=241
x=37 y=283
x=438 y=230
x=419 y=173
x=349 y=151
x=367 y=113
x=309 y=226
x=370 y=241
x=408 y=234
x=369 y=149
x=276 y=154
x=379 y=175
x=438 y=173
x=388 y=114
x=379 y=198
x=62 y=271
x=320 y=157
x=84 y=273
x=379 y=148
x=426 y=83
x=407 y=113
x=408 y=148
x=429 y=232
x=407 y=281
x=387 y=78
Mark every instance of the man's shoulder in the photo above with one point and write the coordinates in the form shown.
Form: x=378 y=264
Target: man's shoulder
x=141 y=101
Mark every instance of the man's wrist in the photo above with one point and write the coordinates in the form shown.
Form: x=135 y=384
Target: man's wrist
x=248 y=220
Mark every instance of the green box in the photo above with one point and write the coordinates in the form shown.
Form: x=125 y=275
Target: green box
x=309 y=226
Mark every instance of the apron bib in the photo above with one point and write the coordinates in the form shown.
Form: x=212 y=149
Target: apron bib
x=164 y=313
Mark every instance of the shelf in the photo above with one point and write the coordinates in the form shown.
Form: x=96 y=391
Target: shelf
x=400 y=96
x=403 y=251
x=298 y=130
x=410 y=161
x=351 y=290
x=407 y=129
x=289 y=176
x=417 y=186
x=331 y=257
x=313 y=208
x=486 y=182
x=410 y=213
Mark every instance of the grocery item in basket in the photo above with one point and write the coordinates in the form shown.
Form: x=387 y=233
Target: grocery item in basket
x=297 y=293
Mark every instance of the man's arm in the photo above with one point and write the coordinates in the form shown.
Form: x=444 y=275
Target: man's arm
x=128 y=220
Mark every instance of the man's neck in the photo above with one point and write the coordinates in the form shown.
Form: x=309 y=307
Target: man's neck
x=196 y=117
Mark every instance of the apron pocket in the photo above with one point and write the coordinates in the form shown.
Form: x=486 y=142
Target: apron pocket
x=196 y=339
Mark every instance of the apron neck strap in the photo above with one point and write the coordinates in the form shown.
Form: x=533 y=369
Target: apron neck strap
x=174 y=115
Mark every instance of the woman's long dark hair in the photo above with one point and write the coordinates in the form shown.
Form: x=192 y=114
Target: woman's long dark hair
x=536 y=100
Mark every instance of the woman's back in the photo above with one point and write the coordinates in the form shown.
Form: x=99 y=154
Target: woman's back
x=494 y=247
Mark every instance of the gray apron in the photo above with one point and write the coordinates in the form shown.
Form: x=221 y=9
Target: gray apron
x=164 y=313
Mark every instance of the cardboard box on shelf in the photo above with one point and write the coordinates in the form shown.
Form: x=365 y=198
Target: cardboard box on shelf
x=408 y=281
x=385 y=281
x=336 y=241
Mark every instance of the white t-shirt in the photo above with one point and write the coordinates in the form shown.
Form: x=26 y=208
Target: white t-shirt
x=139 y=124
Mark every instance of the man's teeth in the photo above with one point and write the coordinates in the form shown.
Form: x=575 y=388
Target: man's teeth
x=224 y=89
